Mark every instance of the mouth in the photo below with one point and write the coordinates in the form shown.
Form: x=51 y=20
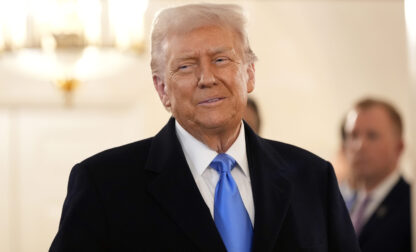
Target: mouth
x=212 y=100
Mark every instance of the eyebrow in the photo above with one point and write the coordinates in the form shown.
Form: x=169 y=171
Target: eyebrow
x=187 y=56
x=193 y=55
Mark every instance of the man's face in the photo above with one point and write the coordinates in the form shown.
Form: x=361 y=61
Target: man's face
x=373 y=145
x=206 y=80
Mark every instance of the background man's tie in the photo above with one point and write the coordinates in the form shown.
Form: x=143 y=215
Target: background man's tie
x=230 y=215
x=358 y=217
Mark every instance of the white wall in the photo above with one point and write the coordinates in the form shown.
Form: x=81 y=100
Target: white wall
x=315 y=59
x=5 y=182
x=323 y=57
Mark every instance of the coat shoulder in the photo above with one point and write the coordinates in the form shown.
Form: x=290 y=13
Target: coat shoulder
x=297 y=163
x=121 y=156
x=293 y=154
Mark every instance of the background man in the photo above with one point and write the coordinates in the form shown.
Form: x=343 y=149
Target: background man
x=252 y=115
x=206 y=181
x=373 y=145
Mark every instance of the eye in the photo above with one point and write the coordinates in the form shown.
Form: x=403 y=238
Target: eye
x=185 y=68
x=372 y=135
x=221 y=60
x=352 y=137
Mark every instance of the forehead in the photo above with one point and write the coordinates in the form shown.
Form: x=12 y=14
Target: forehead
x=209 y=39
x=374 y=117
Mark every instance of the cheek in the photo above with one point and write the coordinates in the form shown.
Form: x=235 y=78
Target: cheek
x=242 y=75
x=181 y=87
x=382 y=155
x=349 y=154
x=389 y=153
x=182 y=100
x=237 y=79
x=351 y=147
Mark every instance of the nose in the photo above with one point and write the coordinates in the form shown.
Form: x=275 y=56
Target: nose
x=359 y=143
x=206 y=76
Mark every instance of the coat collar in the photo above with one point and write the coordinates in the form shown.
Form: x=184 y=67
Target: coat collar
x=271 y=190
x=173 y=186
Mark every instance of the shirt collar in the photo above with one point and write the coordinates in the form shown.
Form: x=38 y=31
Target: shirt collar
x=199 y=156
x=381 y=191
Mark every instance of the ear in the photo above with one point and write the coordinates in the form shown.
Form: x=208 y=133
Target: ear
x=251 y=77
x=161 y=89
x=400 y=146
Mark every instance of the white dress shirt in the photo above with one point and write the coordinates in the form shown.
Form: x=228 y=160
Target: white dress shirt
x=377 y=196
x=199 y=157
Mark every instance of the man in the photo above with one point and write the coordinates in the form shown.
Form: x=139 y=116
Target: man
x=252 y=115
x=178 y=191
x=373 y=145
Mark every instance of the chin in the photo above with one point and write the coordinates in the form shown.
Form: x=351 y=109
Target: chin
x=217 y=123
x=213 y=124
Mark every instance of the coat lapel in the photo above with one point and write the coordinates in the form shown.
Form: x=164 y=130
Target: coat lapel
x=271 y=191
x=173 y=187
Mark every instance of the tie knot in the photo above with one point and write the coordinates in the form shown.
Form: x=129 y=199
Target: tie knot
x=223 y=163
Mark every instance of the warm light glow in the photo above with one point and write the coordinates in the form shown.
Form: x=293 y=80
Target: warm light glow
x=1 y=41
x=13 y=19
x=68 y=41
x=66 y=19
x=38 y=64
x=126 y=18
x=44 y=12
x=88 y=62
x=54 y=17
x=1 y=35
x=90 y=15
x=95 y=63
x=72 y=23
x=2 y=21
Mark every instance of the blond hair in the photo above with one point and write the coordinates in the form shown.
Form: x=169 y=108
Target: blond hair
x=185 y=18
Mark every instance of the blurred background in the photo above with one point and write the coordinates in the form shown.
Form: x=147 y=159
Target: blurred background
x=75 y=79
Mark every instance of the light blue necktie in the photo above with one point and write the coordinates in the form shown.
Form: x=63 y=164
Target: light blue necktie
x=230 y=215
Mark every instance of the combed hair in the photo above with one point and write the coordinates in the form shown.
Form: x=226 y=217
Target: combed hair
x=393 y=113
x=185 y=18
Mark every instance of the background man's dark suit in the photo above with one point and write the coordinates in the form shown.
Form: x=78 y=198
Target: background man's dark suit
x=388 y=229
x=142 y=197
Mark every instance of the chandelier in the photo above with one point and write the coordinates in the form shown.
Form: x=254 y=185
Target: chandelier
x=66 y=31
